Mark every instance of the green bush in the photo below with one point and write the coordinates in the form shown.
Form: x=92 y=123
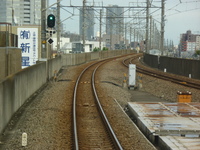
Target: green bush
x=198 y=52
x=96 y=49
x=104 y=49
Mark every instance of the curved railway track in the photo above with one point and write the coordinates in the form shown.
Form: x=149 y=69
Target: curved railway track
x=91 y=126
x=181 y=80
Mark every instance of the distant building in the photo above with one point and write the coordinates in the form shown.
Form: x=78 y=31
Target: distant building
x=191 y=46
x=65 y=45
x=114 y=28
x=20 y=12
x=114 y=42
x=114 y=20
x=189 y=41
x=198 y=42
x=155 y=52
x=89 y=46
x=89 y=23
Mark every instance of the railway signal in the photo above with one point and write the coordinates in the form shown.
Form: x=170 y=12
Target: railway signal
x=51 y=21
x=50 y=41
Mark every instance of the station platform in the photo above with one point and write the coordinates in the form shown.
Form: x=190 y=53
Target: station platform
x=171 y=126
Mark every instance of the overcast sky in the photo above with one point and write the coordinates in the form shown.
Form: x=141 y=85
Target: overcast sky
x=181 y=15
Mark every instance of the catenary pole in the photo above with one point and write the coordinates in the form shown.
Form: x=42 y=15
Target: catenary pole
x=100 y=29
x=43 y=29
x=162 y=26
x=84 y=26
x=147 y=28
x=58 y=25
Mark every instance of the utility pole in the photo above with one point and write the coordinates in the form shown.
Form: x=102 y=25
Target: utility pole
x=125 y=34
x=130 y=35
x=83 y=26
x=147 y=28
x=134 y=36
x=153 y=35
x=150 y=40
x=162 y=26
x=43 y=29
x=58 y=26
x=100 y=29
x=111 y=28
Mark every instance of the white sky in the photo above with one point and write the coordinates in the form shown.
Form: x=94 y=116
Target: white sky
x=181 y=15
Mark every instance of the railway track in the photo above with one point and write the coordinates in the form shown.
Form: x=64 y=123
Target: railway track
x=92 y=129
x=181 y=80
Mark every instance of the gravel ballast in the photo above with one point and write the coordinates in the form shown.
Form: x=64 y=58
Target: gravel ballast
x=46 y=118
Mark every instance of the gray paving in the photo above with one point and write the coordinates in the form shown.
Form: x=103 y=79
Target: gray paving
x=140 y=96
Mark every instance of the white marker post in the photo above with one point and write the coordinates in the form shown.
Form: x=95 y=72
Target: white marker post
x=24 y=139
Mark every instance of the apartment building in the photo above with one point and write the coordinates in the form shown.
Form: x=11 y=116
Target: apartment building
x=20 y=12
x=189 y=41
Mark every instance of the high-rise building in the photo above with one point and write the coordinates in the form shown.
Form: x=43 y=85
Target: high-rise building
x=89 y=23
x=114 y=20
x=20 y=12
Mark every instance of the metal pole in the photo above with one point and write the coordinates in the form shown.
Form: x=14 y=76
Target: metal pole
x=125 y=35
x=147 y=28
x=111 y=28
x=134 y=35
x=43 y=29
x=153 y=35
x=83 y=28
x=58 y=25
x=150 y=40
x=162 y=26
x=100 y=29
x=130 y=35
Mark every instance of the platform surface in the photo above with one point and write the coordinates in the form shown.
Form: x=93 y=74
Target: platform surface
x=177 y=121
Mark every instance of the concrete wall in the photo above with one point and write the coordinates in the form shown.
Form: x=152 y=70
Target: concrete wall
x=80 y=58
x=17 y=88
x=178 y=66
x=54 y=65
x=151 y=60
x=10 y=61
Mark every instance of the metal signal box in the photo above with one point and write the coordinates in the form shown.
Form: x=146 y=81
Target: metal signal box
x=132 y=75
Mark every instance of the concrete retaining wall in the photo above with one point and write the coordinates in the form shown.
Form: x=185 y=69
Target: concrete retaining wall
x=18 y=87
x=80 y=58
x=151 y=60
x=178 y=66
x=54 y=66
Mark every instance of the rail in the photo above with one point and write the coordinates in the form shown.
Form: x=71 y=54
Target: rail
x=162 y=75
x=103 y=116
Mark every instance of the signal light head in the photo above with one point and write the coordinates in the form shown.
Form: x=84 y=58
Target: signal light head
x=51 y=21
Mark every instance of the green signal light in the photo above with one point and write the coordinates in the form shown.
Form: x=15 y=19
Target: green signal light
x=51 y=21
